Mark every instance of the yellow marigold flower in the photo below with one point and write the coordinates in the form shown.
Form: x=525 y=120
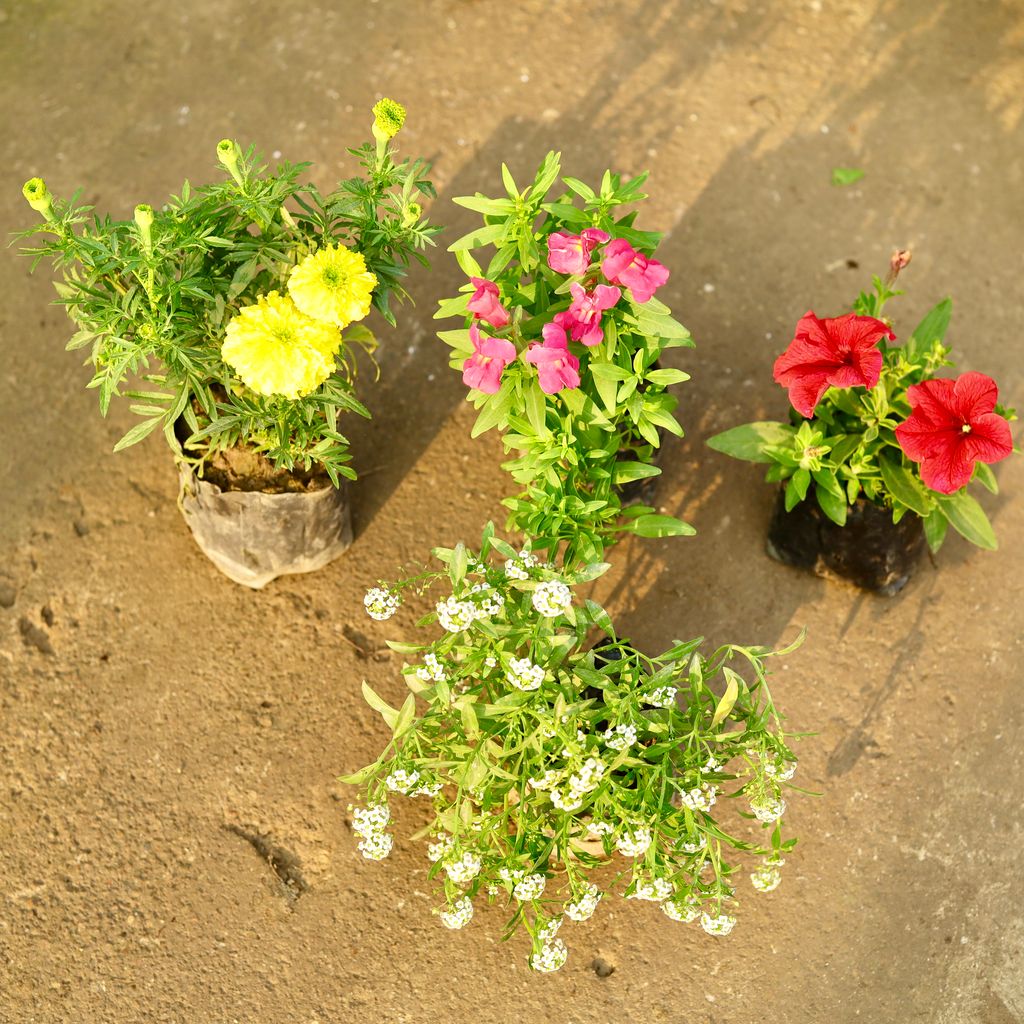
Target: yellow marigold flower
x=388 y=118
x=278 y=350
x=333 y=285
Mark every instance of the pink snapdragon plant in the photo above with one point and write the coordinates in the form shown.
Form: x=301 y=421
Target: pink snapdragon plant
x=577 y=390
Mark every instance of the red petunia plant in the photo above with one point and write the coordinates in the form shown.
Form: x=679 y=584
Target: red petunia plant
x=561 y=347
x=872 y=421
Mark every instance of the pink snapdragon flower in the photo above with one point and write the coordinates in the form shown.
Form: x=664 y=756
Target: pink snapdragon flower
x=483 y=369
x=570 y=254
x=583 y=318
x=642 y=275
x=485 y=305
x=557 y=367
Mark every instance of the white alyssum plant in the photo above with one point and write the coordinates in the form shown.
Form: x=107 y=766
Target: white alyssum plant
x=564 y=766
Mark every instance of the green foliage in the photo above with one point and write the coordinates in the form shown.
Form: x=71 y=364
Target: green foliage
x=151 y=297
x=572 y=450
x=846 y=175
x=849 y=449
x=546 y=756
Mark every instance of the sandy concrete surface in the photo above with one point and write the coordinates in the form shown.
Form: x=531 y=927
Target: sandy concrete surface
x=154 y=714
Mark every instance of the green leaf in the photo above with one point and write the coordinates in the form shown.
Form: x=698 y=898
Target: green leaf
x=903 y=484
x=405 y=717
x=387 y=712
x=728 y=701
x=984 y=475
x=968 y=518
x=459 y=563
x=664 y=378
x=652 y=525
x=359 y=777
x=481 y=204
x=477 y=237
x=832 y=504
x=138 y=432
x=931 y=328
x=846 y=175
x=935 y=526
x=750 y=441
x=626 y=472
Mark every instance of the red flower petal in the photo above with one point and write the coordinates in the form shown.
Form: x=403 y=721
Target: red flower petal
x=974 y=394
x=949 y=471
x=989 y=439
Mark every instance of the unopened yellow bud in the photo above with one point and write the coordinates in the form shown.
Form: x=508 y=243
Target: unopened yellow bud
x=227 y=153
x=144 y=216
x=38 y=195
x=411 y=215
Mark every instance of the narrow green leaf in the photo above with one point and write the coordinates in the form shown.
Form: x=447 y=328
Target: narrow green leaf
x=968 y=518
x=903 y=484
x=387 y=712
x=728 y=701
x=751 y=440
x=653 y=525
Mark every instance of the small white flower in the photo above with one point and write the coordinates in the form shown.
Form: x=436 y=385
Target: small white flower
x=634 y=843
x=458 y=914
x=694 y=847
x=402 y=781
x=768 y=809
x=621 y=737
x=432 y=670
x=439 y=850
x=455 y=615
x=700 y=798
x=656 y=890
x=546 y=781
x=490 y=661
x=721 y=925
x=583 y=907
x=376 y=846
x=368 y=821
x=550 y=930
x=552 y=957
x=524 y=675
x=767 y=877
x=427 y=789
x=589 y=776
x=711 y=766
x=381 y=604
x=490 y=601
x=600 y=828
x=530 y=887
x=463 y=869
x=684 y=910
x=662 y=697
x=568 y=802
x=552 y=599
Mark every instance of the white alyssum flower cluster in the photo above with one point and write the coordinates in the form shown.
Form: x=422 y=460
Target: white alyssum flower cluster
x=634 y=843
x=767 y=877
x=439 y=850
x=699 y=798
x=552 y=599
x=369 y=823
x=654 y=890
x=381 y=604
x=526 y=887
x=550 y=930
x=552 y=957
x=463 y=869
x=768 y=808
x=780 y=772
x=432 y=670
x=662 y=697
x=524 y=675
x=458 y=914
x=621 y=737
x=490 y=601
x=411 y=783
x=684 y=910
x=455 y=615
x=695 y=846
x=720 y=925
x=546 y=781
x=581 y=782
x=583 y=906
x=516 y=568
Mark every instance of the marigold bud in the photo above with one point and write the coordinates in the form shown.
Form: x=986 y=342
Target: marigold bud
x=37 y=194
x=388 y=118
x=144 y=216
x=227 y=153
x=411 y=214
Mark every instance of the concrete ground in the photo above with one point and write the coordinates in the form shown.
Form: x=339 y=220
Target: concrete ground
x=153 y=713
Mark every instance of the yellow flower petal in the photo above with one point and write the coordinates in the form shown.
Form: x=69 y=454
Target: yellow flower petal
x=333 y=285
x=277 y=350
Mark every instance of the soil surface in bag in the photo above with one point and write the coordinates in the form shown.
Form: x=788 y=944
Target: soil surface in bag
x=870 y=550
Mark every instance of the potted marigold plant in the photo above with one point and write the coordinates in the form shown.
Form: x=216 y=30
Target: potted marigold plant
x=560 y=775
x=879 y=451
x=240 y=304
x=561 y=349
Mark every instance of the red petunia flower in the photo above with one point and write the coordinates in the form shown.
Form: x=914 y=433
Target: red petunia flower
x=841 y=353
x=951 y=427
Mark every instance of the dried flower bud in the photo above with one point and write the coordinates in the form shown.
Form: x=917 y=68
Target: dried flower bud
x=388 y=118
x=38 y=195
x=900 y=259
